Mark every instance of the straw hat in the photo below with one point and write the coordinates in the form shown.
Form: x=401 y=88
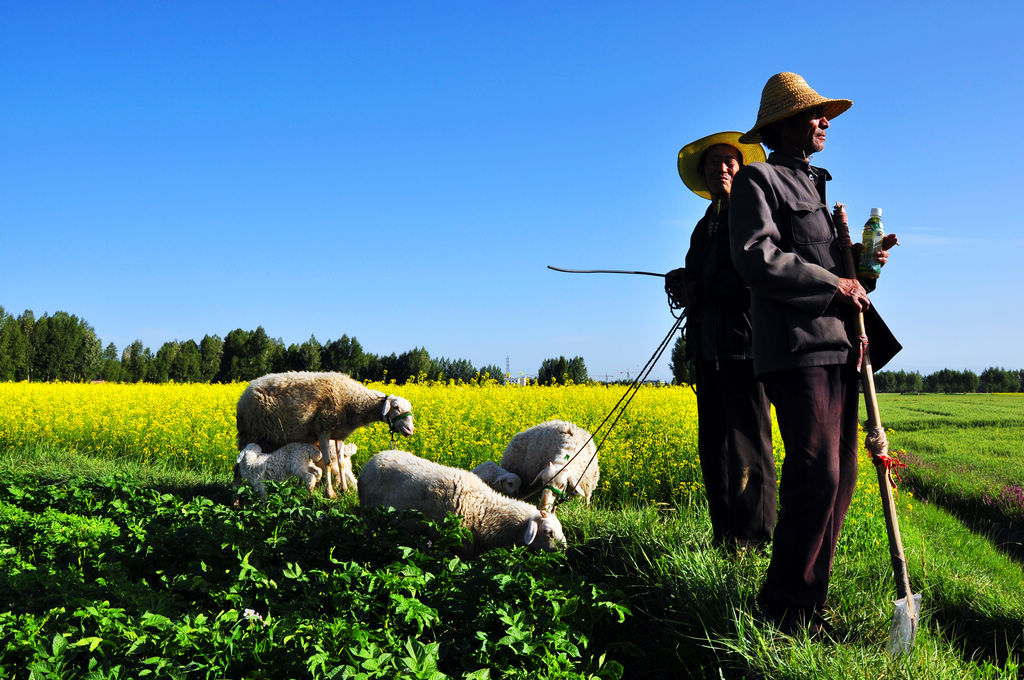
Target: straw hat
x=786 y=94
x=689 y=158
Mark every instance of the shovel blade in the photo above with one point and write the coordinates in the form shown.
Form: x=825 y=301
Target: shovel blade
x=904 y=625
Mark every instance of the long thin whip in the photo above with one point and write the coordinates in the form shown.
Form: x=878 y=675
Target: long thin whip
x=603 y=271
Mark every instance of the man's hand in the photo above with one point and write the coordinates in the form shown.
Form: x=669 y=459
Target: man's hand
x=675 y=286
x=850 y=292
x=888 y=241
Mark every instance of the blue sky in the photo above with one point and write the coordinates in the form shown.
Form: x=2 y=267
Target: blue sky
x=404 y=172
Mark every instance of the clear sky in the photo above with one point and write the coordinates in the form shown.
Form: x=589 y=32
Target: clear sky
x=404 y=172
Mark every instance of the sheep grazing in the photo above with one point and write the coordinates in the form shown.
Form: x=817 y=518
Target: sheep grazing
x=405 y=482
x=279 y=408
x=546 y=454
x=498 y=478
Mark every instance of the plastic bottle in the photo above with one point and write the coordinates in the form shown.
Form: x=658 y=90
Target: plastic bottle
x=869 y=267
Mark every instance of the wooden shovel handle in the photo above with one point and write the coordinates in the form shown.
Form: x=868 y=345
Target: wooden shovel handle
x=892 y=525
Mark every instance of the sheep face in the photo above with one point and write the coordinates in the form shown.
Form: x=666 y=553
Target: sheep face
x=544 y=532
x=508 y=483
x=398 y=414
x=555 y=480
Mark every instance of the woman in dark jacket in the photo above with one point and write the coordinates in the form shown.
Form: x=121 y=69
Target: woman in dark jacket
x=734 y=414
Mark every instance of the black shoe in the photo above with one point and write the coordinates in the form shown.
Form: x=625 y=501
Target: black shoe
x=791 y=620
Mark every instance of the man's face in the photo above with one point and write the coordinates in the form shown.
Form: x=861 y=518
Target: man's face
x=807 y=132
x=721 y=163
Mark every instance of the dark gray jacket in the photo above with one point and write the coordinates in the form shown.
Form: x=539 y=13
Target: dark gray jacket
x=785 y=247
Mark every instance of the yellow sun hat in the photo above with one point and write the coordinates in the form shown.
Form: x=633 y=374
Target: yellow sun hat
x=690 y=155
x=786 y=94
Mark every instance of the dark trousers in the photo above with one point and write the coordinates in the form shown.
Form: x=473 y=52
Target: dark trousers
x=734 y=442
x=817 y=412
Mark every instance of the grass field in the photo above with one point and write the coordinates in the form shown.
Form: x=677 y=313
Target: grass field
x=120 y=559
x=963 y=451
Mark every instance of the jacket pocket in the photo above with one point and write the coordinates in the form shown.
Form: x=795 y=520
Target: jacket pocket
x=815 y=333
x=809 y=222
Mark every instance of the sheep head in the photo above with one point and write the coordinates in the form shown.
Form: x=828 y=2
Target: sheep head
x=508 y=483
x=556 y=479
x=397 y=413
x=543 y=532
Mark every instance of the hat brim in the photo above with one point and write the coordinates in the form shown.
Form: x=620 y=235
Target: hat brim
x=832 y=108
x=689 y=158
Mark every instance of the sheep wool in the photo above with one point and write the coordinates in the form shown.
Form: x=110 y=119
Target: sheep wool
x=546 y=454
x=498 y=478
x=256 y=467
x=302 y=406
x=406 y=482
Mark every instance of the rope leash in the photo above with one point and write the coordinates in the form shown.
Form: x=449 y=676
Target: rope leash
x=627 y=397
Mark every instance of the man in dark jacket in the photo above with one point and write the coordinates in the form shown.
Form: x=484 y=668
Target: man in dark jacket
x=734 y=415
x=785 y=246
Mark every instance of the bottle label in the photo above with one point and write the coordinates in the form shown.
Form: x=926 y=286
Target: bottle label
x=869 y=267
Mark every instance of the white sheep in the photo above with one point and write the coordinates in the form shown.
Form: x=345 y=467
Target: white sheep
x=546 y=454
x=406 y=482
x=300 y=406
x=498 y=478
x=297 y=459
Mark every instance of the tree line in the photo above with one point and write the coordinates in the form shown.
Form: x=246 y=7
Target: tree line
x=65 y=347
x=947 y=380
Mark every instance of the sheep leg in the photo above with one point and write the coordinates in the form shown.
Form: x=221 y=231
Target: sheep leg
x=325 y=456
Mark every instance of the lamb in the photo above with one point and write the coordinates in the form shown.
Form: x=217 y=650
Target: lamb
x=406 y=482
x=546 y=455
x=299 y=459
x=498 y=478
x=301 y=406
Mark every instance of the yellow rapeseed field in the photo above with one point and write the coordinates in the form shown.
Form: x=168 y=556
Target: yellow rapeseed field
x=650 y=456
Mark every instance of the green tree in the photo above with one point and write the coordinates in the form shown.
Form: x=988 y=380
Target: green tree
x=110 y=365
x=998 y=380
x=211 y=349
x=578 y=371
x=411 y=365
x=553 y=371
x=186 y=365
x=27 y=321
x=136 y=360
x=65 y=348
x=680 y=364
x=492 y=372
x=160 y=370
x=233 y=356
x=15 y=361
x=344 y=355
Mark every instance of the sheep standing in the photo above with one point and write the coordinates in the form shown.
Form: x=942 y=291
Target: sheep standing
x=546 y=455
x=498 y=478
x=403 y=481
x=301 y=406
x=341 y=463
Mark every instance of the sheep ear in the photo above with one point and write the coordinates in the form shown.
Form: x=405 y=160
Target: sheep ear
x=387 y=406
x=531 y=532
x=539 y=477
x=572 y=482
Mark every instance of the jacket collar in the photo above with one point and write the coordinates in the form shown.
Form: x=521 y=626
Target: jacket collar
x=801 y=164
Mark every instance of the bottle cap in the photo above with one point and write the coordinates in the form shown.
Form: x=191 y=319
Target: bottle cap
x=876 y=212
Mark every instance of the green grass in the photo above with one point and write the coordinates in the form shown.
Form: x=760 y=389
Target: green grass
x=964 y=452
x=167 y=592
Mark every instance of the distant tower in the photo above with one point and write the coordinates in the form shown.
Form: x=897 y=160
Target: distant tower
x=508 y=371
